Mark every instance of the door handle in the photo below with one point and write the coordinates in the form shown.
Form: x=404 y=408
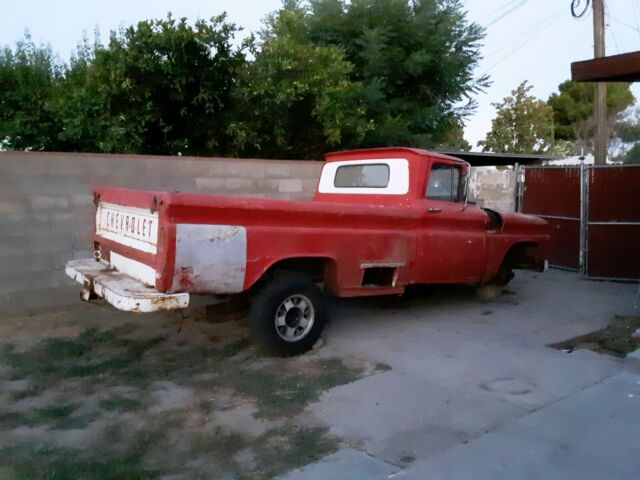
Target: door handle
x=434 y=210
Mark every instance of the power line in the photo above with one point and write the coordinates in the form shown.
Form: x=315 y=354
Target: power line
x=508 y=12
x=635 y=13
x=506 y=5
x=544 y=25
x=524 y=35
x=624 y=23
x=610 y=30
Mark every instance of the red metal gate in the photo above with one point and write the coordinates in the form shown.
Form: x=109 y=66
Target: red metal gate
x=553 y=193
x=594 y=212
x=612 y=245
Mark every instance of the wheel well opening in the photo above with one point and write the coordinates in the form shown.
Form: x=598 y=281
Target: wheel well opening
x=524 y=256
x=314 y=268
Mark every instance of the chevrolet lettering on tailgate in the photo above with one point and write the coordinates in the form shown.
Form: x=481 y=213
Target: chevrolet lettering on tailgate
x=130 y=226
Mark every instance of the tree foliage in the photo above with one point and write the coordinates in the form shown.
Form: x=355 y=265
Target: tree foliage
x=413 y=61
x=324 y=74
x=27 y=80
x=573 y=108
x=298 y=101
x=523 y=124
x=162 y=86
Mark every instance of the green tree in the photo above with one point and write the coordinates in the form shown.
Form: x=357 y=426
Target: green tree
x=296 y=97
x=523 y=124
x=27 y=81
x=633 y=154
x=413 y=61
x=162 y=86
x=573 y=110
x=454 y=138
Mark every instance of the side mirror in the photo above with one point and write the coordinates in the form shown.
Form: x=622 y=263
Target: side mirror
x=464 y=191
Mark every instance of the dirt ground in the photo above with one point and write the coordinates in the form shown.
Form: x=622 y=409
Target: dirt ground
x=95 y=394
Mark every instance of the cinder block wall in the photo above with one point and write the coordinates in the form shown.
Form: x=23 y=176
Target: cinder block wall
x=494 y=188
x=46 y=209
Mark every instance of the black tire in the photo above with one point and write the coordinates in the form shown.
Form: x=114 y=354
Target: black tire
x=288 y=315
x=504 y=276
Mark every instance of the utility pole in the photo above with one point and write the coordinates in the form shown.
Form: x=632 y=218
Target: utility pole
x=600 y=101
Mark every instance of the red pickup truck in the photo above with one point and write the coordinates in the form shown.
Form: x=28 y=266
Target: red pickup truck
x=380 y=220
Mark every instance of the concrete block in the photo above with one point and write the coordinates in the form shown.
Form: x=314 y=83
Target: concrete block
x=119 y=165
x=60 y=259
x=13 y=204
x=306 y=169
x=70 y=164
x=266 y=186
x=82 y=239
x=28 y=244
x=238 y=184
x=217 y=168
x=185 y=167
x=211 y=184
x=40 y=299
x=82 y=200
x=24 y=163
x=309 y=185
x=290 y=185
x=278 y=170
x=17 y=224
x=21 y=282
x=245 y=168
x=53 y=185
x=64 y=222
x=40 y=203
x=17 y=264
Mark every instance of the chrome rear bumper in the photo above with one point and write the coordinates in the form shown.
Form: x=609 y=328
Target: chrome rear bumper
x=120 y=290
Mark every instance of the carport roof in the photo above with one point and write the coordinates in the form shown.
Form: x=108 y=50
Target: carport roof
x=487 y=159
x=614 y=68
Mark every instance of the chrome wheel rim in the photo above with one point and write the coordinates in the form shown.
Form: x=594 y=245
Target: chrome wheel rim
x=294 y=318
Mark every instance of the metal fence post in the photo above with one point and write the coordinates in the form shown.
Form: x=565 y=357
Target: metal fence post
x=519 y=186
x=583 y=219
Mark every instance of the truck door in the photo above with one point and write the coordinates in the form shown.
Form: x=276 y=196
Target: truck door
x=451 y=238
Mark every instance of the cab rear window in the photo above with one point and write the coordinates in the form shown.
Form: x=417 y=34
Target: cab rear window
x=374 y=175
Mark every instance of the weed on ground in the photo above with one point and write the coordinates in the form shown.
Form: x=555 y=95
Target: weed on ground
x=616 y=339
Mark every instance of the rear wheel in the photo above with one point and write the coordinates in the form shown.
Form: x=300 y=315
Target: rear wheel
x=288 y=315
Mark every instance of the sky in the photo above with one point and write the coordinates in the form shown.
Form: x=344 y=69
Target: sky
x=533 y=40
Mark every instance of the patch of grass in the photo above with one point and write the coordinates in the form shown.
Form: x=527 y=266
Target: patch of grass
x=615 y=339
x=30 y=391
x=219 y=443
x=281 y=393
x=120 y=404
x=58 y=417
x=106 y=358
x=49 y=463
x=92 y=353
x=284 y=449
x=277 y=451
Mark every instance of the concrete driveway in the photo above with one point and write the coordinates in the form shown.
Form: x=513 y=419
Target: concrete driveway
x=472 y=390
